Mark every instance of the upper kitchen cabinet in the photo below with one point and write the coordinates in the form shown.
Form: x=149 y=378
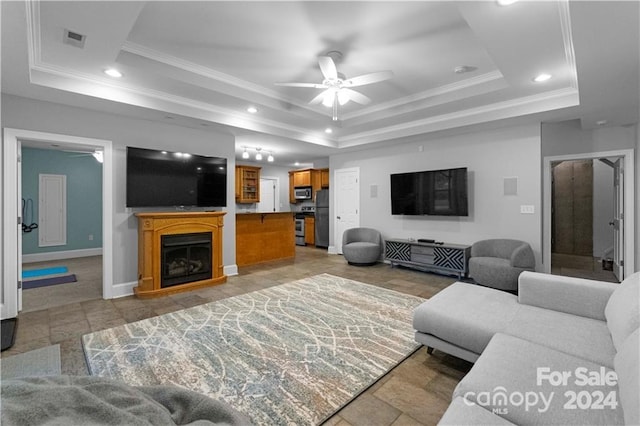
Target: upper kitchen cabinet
x=247 y=184
x=302 y=178
x=307 y=178
x=324 y=178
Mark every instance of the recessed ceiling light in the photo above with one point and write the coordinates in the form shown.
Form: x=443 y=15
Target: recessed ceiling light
x=112 y=72
x=542 y=77
x=252 y=109
x=506 y=2
x=328 y=130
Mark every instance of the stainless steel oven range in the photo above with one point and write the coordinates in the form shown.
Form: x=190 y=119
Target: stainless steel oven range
x=300 y=230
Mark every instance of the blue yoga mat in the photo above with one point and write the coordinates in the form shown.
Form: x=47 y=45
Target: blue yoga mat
x=44 y=282
x=44 y=271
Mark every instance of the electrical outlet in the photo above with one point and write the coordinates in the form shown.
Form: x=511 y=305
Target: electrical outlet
x=527 y=209
x=90 y=237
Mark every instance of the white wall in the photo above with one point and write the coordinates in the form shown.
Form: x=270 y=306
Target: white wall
x=490 y=156
x=602 y=208
x=27 y=114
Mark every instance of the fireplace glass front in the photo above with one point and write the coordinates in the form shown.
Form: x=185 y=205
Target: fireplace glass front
x=185 y=258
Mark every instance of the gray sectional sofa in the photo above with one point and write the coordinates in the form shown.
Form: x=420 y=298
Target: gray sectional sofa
x=564 y=351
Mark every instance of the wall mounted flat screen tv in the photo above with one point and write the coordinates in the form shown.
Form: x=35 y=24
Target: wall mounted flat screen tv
x=167 y=179
x=431 y=192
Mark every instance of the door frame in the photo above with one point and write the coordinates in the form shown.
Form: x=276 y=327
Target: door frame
x=629 y=204
x=11 y=194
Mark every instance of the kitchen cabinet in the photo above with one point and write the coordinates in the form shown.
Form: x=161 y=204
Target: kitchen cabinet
x=263 y=237
x=324 y=178
x=292 y=196
x=247 y=184
x=302 y=178
x=310 y=230
x=306 y=177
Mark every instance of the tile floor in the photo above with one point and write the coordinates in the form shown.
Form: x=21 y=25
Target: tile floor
x=416 y=392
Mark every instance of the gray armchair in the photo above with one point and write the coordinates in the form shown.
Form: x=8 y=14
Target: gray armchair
x=361 y=246
x=497 y=263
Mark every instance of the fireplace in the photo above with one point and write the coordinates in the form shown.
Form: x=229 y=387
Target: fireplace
x=179 y=251
x=185 y=258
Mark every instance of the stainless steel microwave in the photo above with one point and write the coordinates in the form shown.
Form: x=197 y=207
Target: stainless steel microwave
x=302 y=193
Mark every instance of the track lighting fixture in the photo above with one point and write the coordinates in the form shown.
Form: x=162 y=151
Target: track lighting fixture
x=258 y=155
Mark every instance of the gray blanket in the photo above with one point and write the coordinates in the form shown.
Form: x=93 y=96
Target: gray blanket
x=69 y=400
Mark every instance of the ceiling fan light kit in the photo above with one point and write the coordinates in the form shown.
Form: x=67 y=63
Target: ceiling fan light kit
x=337 y=87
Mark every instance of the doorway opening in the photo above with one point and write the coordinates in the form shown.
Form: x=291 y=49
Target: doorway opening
x=582 y=207
x=11 y=254
x=61 y=190
x=586 y=198
x=269 y=194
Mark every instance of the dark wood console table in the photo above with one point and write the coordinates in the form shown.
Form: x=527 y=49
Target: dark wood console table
x=440 y=258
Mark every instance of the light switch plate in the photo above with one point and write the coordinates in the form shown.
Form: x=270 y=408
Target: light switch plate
x=527 y=209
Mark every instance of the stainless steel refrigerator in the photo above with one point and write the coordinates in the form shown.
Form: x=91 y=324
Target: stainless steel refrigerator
x=322 y=218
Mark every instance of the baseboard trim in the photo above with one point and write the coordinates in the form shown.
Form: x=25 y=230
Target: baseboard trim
x=332 y=250
x=230 y=270
x=123 y=289
x=58 y=255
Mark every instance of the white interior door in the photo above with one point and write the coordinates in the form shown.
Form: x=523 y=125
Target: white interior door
x=618 y=220
x=346 y=202
x=52 y=210
x=268 y=192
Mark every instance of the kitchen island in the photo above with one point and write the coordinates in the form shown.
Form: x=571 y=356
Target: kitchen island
x=262 y=237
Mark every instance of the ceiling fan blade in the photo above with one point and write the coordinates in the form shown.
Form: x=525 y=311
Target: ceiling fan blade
x=328 y=67
x=312 y=85
x=356 y=96
x=318 y=99
x=373 y=77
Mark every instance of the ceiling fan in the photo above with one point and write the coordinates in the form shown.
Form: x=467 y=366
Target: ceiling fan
x=337 y=87
x=97 y=154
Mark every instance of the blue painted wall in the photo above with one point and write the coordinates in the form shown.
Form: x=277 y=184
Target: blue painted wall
x=84 y=197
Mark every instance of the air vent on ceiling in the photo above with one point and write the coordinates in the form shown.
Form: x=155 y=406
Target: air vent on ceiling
x=74 y=39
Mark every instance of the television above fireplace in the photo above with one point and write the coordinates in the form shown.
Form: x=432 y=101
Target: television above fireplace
x=166 y=179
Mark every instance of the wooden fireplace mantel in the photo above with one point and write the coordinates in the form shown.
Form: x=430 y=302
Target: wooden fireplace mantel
x=151 y=228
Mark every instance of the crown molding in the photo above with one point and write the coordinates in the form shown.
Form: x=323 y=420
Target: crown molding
x=122 y=93
x=431 y=93
x=203 y=71
x=34 y=48
x=567 y=39
x=488 y=112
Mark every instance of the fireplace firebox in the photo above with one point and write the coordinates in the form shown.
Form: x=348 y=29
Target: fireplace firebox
x=185 y=258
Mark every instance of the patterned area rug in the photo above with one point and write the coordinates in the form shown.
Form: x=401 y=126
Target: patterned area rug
x=291 y=354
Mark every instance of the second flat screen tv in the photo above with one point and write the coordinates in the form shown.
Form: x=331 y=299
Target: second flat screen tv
x=166 y=179
x=431 y=192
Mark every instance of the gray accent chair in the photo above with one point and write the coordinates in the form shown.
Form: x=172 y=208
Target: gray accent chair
x=361 y=246
x=497 y=263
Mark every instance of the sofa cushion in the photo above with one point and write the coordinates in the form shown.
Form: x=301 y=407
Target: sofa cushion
x=466 y=315
x=585 y=338
x=623 y=309
x=627 y=364
x=509 y=367
x=462 y=412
